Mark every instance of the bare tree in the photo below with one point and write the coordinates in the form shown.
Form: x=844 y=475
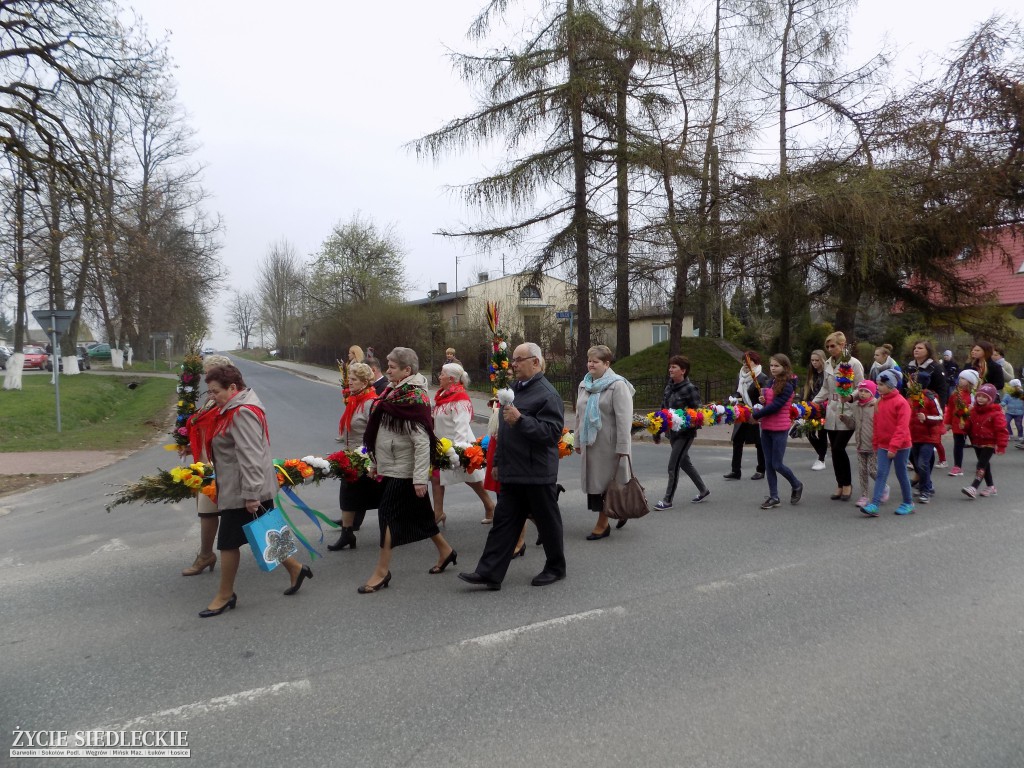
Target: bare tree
x=279 y=285
x=243 y=315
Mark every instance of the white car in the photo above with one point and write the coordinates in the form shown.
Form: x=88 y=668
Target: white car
x=209 y=351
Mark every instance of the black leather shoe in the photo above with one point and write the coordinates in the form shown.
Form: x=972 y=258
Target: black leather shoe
x=732 y=476
x=757 y=476
x=603 y=535
x=544 y=578
x=304 y=573
x=348 y=539
x=797 y=493
x=369 y=589
x=475 y=578
x=452 y=559
x=621 y=523
x=230 y=604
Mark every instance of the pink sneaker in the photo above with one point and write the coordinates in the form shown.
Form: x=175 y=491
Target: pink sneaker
x=956 y=472
x=885 y=494
x=970 y=492
x=989 y=491
x=862 y=502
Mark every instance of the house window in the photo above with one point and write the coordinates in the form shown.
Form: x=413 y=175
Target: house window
x=659 y=332
x=531 y=328
x=530 y=292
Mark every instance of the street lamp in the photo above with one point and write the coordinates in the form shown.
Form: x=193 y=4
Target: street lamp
x=55 y=322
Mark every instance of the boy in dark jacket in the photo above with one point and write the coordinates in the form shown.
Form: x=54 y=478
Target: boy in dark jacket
x=680 y=394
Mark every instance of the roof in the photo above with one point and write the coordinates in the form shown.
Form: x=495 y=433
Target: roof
x=1006 y=283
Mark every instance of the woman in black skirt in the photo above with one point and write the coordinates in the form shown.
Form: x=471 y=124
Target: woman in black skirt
x=355 y=498
x=400 y=439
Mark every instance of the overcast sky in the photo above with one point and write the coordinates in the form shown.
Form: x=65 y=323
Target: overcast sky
x=303 y=111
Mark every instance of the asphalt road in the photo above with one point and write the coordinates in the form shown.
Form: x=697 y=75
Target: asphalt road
x=708 y=635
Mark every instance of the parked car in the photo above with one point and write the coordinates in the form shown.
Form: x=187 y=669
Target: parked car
x=100 y=352
x=83 y=360
x=35 y=357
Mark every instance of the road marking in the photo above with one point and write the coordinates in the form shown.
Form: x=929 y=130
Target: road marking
x=510 y=634
x=114 y=545
x=193 y=532
x=218 y=704
x=9 y=562
x=932 y=531
x=714 y=586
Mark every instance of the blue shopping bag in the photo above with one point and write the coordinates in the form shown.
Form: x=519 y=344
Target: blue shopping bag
x=271 y=538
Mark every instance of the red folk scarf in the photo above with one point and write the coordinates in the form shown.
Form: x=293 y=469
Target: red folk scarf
x=352 y=405
x=200 y=427
x=456 y=393
x=224 y=423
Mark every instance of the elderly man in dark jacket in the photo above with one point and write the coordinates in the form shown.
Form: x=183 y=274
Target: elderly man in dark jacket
x=526 y=465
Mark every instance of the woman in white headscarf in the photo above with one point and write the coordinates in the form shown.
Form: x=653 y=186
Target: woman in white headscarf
x=748 y=391
x=604 y=418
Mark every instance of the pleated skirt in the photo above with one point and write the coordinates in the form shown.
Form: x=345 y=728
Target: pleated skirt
x=409 y=517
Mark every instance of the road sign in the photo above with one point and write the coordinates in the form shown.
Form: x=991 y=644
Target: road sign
x=563 y=315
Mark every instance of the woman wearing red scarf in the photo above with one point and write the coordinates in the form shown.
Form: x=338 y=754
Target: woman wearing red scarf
x=453 y=416
x=355 y=498
x=401 y=442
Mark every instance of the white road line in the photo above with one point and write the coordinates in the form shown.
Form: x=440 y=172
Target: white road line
x=218 y=704
x=932 y=531
x=509 y=634
x=714 y=586
x=193 y=532
x=114 y=545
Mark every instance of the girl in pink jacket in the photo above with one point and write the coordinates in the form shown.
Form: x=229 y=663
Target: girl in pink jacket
x=891 y=441
x=775 y=423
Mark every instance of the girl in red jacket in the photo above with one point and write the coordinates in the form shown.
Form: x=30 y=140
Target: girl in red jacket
x=892 y=443
x=925 y=431
x=955 y=417
x=987 y=427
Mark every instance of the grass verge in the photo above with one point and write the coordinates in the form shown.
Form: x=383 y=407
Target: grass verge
x=98 y=413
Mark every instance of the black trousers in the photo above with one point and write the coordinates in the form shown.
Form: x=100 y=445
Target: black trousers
x=838 y=438
x=738 y=441
x=515 y=502
x=819 y=441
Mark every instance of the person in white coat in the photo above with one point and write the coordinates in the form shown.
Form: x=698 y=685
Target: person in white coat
x=604 y=417
x=453 y=416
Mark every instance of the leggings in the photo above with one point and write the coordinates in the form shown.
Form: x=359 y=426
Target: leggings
x=959 y=441
x=867 y=466
x=838 y=438
x=984 y=470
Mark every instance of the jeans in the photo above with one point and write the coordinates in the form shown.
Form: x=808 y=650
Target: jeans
x=774 y=443
x=680 y=459
x=899 y=463
x=922 y=456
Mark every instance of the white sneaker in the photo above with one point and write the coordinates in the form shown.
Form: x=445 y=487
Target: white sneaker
x=941 y=465
x=818 y=465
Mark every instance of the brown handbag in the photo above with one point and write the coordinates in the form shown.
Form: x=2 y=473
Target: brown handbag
x=625 y=502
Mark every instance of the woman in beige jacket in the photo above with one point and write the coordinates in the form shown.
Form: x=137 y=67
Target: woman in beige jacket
x=400 y=439
x=604 y=417
x=246 y=479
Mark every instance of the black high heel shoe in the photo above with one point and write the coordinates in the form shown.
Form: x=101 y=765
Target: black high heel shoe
x=304 y=573
x=450 y=560
x=369 y=589
x=230 y=604
x=603 y=535
x=521 y=552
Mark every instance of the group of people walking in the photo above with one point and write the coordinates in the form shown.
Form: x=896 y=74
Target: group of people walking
x=893 y=416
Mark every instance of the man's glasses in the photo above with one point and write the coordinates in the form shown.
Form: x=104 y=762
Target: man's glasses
x=522 y=359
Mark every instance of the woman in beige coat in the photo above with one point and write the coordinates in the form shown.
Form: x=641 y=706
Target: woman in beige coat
x=839 y=412
x=604 y=417
x=400 y=439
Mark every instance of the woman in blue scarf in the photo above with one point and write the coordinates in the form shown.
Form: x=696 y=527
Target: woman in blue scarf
x=604 y=417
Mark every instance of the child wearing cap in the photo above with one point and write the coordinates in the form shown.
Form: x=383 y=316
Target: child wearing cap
x=892 y=443
x=1013 y=404
x=955 y=416
x=925 y=431
x=986 y=425
x=864 y=432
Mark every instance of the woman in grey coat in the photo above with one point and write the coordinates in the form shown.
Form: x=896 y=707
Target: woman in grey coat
x=604 y=416
x=246 y=479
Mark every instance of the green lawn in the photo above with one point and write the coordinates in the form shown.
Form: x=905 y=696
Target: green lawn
x=707 y=361
x=97 y=413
